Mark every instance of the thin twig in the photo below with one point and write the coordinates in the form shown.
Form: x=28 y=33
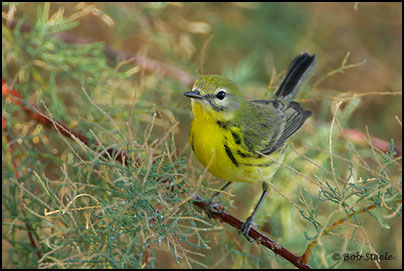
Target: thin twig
x=17 y=175
x=307 y=253
x=197 y=200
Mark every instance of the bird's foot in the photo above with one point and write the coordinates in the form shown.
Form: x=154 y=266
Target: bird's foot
x=213 y=208
x=246 y=227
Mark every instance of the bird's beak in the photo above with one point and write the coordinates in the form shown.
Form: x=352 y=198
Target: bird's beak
x=193 y=94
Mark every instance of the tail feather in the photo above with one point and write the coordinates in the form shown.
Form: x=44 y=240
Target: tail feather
x=299 y=68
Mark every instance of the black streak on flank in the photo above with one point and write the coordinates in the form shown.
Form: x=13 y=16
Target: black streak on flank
x=236 y=137
x=222 y=124
x=231 y=156
x=244 y=155
x=257 y=165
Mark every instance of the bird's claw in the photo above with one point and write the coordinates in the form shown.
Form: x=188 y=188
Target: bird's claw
x=246 y=227
x=213 y=208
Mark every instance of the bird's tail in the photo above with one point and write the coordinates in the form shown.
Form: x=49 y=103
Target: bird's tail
x=298 y=71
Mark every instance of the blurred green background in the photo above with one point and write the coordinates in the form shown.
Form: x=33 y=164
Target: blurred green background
x=251 y=39
x=253 y=44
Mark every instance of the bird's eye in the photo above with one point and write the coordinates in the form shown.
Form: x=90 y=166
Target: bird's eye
x=220 y=95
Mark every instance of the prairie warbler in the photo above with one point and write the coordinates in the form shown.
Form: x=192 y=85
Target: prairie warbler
x=240 y=140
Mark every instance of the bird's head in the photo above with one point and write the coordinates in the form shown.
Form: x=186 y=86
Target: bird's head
x=216 y=95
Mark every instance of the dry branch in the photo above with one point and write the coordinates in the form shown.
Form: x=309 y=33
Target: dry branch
x=14 y=96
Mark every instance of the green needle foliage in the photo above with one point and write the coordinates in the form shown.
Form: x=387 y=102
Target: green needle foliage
x=83 y=209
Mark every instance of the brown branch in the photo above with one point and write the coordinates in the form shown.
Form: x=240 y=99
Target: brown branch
x=120 y=156
x=254 y=234
x=14 y=96
x=17 y=98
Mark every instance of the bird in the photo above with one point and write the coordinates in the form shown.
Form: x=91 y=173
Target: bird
x=244 y=141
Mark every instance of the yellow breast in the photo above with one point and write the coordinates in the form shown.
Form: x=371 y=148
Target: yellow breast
x=218 y=149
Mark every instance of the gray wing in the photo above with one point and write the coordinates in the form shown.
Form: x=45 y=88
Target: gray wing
x=271 y=123
x=289 y=119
